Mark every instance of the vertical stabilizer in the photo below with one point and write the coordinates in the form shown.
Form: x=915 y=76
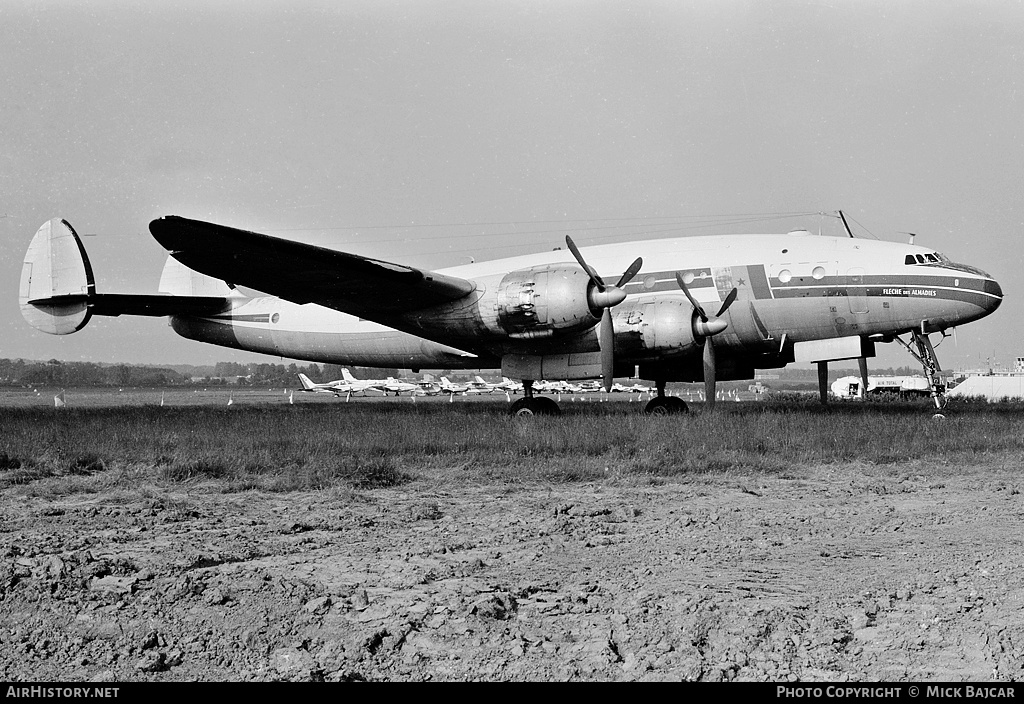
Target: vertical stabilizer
x=178 y=280
x=56 y=280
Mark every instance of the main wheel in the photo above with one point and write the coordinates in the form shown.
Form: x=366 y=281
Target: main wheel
x=548 y=406
x=666 y=405
x=536 y=406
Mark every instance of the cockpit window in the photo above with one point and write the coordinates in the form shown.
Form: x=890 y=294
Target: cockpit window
x=941 y=260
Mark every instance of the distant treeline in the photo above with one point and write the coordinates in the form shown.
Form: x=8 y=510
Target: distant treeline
x=21 y=372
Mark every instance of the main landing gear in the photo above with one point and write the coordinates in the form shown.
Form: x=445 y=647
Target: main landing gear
x=662 y=405
x=531 y=405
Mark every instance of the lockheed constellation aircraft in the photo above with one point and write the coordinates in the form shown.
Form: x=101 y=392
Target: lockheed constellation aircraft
x=684 y=309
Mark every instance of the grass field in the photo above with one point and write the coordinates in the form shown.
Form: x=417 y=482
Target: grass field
x=106 y=439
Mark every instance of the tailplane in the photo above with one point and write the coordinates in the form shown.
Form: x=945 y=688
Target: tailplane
x=58 y=291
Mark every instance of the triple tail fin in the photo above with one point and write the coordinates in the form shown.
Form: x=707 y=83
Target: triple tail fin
x=56 y=280
x=58 y=291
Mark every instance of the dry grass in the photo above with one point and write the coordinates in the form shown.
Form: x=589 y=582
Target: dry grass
x=322 y=446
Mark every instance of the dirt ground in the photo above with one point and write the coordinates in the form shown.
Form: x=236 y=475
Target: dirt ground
x=840 y=573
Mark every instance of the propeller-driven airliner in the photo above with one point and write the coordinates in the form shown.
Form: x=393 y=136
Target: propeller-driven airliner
x=703 y=308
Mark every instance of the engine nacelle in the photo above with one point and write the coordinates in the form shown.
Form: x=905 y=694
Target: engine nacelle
x=545 y=301
x=656 y=327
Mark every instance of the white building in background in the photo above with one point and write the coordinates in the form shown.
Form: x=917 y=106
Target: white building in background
x=992 y=388
x=994 y=385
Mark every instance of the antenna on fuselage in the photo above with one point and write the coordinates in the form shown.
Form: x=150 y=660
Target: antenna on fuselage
x=912 y=236
x=846 y=224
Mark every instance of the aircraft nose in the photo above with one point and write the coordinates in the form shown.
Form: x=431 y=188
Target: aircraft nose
x=994 y=295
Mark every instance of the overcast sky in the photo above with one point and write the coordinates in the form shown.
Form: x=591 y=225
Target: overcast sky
x=431 y=132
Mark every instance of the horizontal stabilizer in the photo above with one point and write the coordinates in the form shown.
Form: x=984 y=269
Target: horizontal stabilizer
x=157 y=305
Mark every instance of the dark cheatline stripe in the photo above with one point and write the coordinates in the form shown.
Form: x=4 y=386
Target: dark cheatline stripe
x=966 y=283
x=666 y=281
x=255 y=318
x=945 y=294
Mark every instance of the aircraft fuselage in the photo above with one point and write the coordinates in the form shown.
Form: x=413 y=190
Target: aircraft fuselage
x=790 y=288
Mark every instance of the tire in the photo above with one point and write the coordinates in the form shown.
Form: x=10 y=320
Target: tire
x=536 y=406
x=666 y=405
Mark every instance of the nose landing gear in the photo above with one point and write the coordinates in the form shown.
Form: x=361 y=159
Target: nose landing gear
x=925 y=354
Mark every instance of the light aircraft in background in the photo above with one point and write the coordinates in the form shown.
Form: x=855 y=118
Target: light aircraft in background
x=479 y=386
x=684 y=309
x=450 y=388
x=557 y=387
x=397 y=386
x=356 y=386
x=508 y=386
x=428 y=388
x=632 y=388
x=330 y=387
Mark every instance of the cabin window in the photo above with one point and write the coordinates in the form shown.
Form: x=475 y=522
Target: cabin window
x=785 y=275
x=818 y=273
x=650 y=281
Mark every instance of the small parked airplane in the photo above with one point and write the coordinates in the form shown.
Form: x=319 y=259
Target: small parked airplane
x=330 y=387
x=779 y=299
x=448 y=387
x=397 y=386
x=557 y=387
x=355 y=386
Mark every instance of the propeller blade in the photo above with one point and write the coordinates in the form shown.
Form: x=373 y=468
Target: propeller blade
x=629 y=273
x=598 y=281
x=606 y=338
x=709 y=374
x=727 y=302
x=693 y=301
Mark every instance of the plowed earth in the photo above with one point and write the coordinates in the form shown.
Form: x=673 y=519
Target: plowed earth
x=844 y=572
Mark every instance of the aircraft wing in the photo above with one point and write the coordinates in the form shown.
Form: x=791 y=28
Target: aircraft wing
x=304 y=273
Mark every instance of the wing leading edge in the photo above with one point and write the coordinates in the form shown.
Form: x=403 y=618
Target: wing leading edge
x=304 y=273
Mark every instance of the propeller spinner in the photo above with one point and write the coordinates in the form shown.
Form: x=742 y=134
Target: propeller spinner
x=707 y=327
x=605 y=297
